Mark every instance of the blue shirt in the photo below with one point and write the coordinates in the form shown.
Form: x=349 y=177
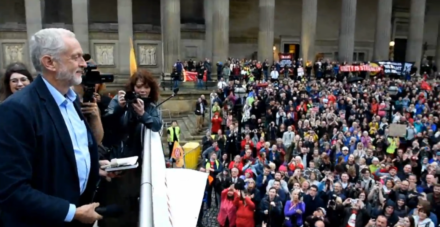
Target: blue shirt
x=79 y=136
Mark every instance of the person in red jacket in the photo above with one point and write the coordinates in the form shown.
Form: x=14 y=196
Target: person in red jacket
x=216 y=123
x=245 y=210
x=247 y=140
x=237 y=163
x=228 y=212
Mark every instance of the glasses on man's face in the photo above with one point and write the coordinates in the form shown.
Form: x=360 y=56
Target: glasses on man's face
x=21 y=79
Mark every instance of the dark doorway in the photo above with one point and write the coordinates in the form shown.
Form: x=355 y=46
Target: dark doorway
x=292 y=48
x=400 y=50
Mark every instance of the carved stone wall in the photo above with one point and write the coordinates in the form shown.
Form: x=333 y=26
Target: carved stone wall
x=244 y=14
x=13 y=50
x=104 y=54
x=147 y=54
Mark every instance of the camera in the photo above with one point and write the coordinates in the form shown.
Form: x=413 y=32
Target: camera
x=131 y=97
x=91 y=78
x=332 y=201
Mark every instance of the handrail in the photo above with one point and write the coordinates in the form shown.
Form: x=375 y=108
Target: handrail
x=161 y=200
x=146 y=203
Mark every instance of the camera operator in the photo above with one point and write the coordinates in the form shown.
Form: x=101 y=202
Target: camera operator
x=126 y=115
x=130 y=113
x=92 y=114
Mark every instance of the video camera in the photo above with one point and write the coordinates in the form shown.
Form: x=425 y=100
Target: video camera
x=92 y=77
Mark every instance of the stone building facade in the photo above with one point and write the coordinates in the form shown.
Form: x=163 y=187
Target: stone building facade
x=166 y=30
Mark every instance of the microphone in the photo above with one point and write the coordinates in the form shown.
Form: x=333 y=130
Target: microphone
x=113 y=211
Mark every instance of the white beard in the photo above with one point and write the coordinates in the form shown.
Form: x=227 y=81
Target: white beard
x=68 y=77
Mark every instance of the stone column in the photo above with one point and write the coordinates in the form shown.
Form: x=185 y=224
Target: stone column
x=80 y=14
x=221 y=31
x=125 y=33
x=34 y=20
x=209 y=14
x=383 y=30
x=266 y=32
x=416 y=26
x=347 y=30
x=308 y=29
x=437 y=49
x=170 y=23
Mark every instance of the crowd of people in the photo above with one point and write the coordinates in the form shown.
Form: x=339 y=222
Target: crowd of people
x=319 y=149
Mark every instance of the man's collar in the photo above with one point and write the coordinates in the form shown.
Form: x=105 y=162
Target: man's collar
x=59 y=98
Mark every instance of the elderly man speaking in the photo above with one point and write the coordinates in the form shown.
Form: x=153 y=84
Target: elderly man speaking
x=49 y=161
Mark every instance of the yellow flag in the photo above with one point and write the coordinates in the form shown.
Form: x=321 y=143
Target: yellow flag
x=133 y=63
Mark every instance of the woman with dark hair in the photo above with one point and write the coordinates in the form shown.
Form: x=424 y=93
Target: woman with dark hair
x=16 y=78
x=131 y=109
x=124 y=120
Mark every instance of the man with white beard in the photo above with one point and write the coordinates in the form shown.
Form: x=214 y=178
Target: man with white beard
x=49 y=168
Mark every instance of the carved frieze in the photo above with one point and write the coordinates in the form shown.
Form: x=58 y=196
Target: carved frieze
x=105 y=54
x=147 y=54
x=13 y=52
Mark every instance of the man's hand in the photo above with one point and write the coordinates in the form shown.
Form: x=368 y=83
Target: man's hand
x=108 y=175
x=97 y=97
x=86 y=214
x=90 y=108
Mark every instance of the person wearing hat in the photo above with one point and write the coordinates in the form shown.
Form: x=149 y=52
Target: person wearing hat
x=386 y=210
x=375 y=165
x=435 y=158
x=391 y=172
x=345 y=154
x=318 y=215
x=401 y=208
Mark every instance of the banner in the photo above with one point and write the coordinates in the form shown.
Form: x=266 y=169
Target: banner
x=398 y=68
x=285 y=59
x=358 y=68
x=177 y=155
x=191 y=76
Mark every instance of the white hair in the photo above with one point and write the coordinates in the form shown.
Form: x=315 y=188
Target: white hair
x=50 y=42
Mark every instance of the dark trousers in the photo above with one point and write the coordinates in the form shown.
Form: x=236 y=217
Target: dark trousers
x=170 y=146
x=208 y=200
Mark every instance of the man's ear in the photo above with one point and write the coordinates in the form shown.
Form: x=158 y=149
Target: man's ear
x=48 y=63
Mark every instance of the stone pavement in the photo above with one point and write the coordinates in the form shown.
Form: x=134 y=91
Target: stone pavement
x=210 y=217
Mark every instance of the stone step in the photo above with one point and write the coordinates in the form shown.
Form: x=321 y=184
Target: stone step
x=192 y=125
